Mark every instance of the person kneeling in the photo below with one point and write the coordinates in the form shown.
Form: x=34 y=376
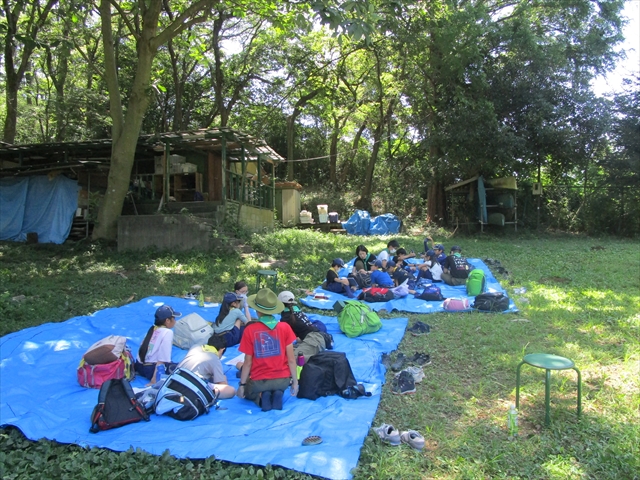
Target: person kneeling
x=269 y=361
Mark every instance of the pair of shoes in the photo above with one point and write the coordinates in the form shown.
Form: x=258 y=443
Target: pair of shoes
x=266 y=401
x=403 y=384
x=276 y=399
x=389 y=434
x=386 y=360
x=312 y=440
x=399 y=363
x=413 y=439
x=420 y=358
x=419 y=328
x=416 y=373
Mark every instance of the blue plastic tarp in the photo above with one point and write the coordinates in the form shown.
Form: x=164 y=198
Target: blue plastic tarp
x=41 y=397
x=37 y=204
x=360 y=223
x=409 y=303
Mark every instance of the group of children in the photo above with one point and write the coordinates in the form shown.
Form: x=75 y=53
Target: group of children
x=389 y=269
x=270 y=356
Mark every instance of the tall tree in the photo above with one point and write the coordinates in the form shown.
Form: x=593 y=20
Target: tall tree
x=25 y=19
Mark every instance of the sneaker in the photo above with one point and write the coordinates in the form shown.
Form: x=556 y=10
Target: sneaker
x=403 y=384
x=413 y=439
x=416 y=373
x=265 y=401
x=419 y=328
x=386 y=360
x=389 y=434
x=399 y=363
x=421 y=359
x=276 y=399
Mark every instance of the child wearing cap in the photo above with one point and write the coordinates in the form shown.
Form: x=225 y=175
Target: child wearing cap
x=269 y=361
x=438 y=249
x=157 y=344
x=310 y=340
x=231 y=320
x=336 y=284
x=380 y=278
x=205 y=361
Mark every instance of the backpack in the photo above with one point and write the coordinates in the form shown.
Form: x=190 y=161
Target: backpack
x=356 y=319
x=475 y=282
x=431 y=293
x=117 y=406
x=362 y=279
x=376 y=294
x=191 y=330
x=455 y=304
x=326 y=373
x=184 y=395
x=492 y=302
x=108 y=358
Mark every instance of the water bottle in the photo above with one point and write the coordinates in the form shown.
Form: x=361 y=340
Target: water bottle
x=160 y=372
x=300 y=361
x=201 y=299
x=512 y=421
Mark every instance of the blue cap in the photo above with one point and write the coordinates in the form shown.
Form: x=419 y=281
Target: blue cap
x=377 y=263
x=430 y=253
x=165 y=311
x=230 y=297
x=338 y=261
x=456 y=248
x=439 y=246
x=391 y=263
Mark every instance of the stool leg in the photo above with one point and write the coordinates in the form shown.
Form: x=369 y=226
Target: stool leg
x=258 y=282
x=518 y=385
x=275 y=282
x=547 y=418
x=579 y=390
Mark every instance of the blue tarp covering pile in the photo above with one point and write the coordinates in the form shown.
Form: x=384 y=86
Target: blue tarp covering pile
x=361 y=223
x=410 y=303
x=41 y=396
x=37 y=204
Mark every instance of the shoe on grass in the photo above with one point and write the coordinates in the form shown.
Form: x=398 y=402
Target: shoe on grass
x=413 y=439
x=389 y=434
x=419 y=328
x=399 y=363
x=386 y=360
x=403 y=384
x=416 y=373
x=421 y=359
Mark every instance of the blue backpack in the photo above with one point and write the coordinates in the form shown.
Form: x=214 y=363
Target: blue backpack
x=431 y=293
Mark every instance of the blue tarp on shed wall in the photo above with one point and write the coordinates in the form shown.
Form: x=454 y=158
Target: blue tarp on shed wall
x=360 y=223
x=37 y=204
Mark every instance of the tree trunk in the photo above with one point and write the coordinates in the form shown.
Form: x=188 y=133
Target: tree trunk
x=291 y=123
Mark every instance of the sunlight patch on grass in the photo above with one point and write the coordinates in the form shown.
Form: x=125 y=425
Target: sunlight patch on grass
x=563 y=467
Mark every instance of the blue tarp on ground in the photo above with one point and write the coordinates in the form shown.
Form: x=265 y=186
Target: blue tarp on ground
x=41 y=396
x=409 y=303
x=37 y=204
x=360 y=223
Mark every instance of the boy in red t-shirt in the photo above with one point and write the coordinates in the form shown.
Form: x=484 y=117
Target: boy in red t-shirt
x=269 y=362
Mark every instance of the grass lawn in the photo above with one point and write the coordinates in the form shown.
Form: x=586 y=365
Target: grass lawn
x=580 y=303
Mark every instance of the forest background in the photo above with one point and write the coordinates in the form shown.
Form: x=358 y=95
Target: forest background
x=391 y=101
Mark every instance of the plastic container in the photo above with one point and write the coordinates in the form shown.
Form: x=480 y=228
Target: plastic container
x=160 y=373
x=323 y=210
x=512 y=420
x=333 y=217
x=201 y=299
x=300 y=361
x=323 y=218
x=305 y=217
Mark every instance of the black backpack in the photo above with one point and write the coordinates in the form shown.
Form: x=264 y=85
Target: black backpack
x=431 y=293
x=326 y=373
x=376 y=294
x=362 y=279
x=184 y=395
x=117 y=406
x=491 y=302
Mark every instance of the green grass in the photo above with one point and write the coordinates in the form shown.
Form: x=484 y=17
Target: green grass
x=580 y=303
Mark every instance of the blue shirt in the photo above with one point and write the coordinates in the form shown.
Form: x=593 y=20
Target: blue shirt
x=381 y=279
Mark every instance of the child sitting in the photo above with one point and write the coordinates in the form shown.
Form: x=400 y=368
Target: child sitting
x=231 y=320
x=380 y=278
x=336 y=284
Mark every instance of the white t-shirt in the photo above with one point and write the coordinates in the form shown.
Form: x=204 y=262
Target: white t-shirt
x=159 y=346
x=436 y=271
x=383 y=255
x=205 y=364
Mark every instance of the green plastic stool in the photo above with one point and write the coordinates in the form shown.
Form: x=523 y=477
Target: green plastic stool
x=548 y=362
x=267 y=274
